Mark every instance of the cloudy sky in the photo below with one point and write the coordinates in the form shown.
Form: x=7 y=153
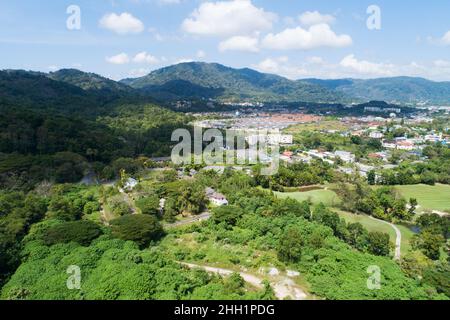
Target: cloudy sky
x=293 y=38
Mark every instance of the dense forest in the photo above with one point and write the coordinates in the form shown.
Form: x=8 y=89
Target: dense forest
x=135 y=256
x=61 y=126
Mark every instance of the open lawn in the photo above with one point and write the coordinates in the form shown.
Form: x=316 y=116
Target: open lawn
x=327 y=197
x=369 y=224
x=407 y=234
x=429 y=197
x=330 y=198
x=317 y=126
x=374 y=226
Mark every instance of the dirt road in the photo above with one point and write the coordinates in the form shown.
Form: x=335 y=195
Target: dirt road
x=283 y=286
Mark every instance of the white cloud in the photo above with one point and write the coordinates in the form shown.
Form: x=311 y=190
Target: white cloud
x=365 y=67
x=201 y=54
x=316 y=36
x=351 y=67
x=122 y=24
x=169 y=2
x=310 y=18
x=240 y=43
x=183 y=60
x=446 y=38
x=136 y=73
x=121 y=58
x=228 y=18
x=144 y=57
x=53 y=68
x=441 y=63
x=268 y=65
x=316 y=60
x=281 y=66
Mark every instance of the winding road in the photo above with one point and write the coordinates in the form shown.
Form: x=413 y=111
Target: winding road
x=201 y=217
x=398 y=240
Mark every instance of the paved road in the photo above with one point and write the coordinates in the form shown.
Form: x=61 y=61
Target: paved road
x=284 y=287
x=201 y=217
x=398 y=240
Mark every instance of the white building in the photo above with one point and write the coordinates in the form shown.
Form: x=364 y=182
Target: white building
x=376 y=135
x=405 y=145
x=130 y=184
x=389 y=145
x=216 y=198
x=272 y=139
x=345 y=156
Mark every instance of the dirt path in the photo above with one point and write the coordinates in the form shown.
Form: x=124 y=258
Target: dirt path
x=283 y=286
x=398 y=240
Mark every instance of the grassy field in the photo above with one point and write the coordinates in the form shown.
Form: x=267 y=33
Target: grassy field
x=317 y=126
x=330 y=198
x=429 y=197
x=373 y=225
x=407 y=234
x=327 y=197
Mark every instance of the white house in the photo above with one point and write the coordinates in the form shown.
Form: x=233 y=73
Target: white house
x=130 y=184
x=216 y=198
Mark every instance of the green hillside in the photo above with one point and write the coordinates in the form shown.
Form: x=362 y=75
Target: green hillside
x=222 y=82
x=396 y=89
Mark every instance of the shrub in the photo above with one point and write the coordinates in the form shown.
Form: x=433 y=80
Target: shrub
x=82 y=232
x=142 y=229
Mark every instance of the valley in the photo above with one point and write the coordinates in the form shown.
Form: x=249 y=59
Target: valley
x=87 y=179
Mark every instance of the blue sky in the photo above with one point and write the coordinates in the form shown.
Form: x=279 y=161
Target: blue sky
x=293 y=38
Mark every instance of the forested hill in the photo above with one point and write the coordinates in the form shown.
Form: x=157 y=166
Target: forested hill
x=213 y=80
x=396 y=89
x=71 y=90
x=90 y=81
x=58 y=130
x=65 y=91
x=37 y=91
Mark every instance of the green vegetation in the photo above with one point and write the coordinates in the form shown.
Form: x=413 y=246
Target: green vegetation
x=82 y=232
x=59 y=128
x=368 y=223
x=325 y=196
x=295 y=175
x=383 y=203
x=142 y=229
x=134 y=258
x=435 y=170
x=115 y=270
x=323 y=125
x=435 y=197
x=404 y=89
x=211 y=80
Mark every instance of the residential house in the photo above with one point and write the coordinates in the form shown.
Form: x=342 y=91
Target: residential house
x=216 y=198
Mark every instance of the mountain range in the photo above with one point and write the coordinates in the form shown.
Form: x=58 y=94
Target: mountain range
x=225 y=83
x=69 y=89
x=394 y=90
